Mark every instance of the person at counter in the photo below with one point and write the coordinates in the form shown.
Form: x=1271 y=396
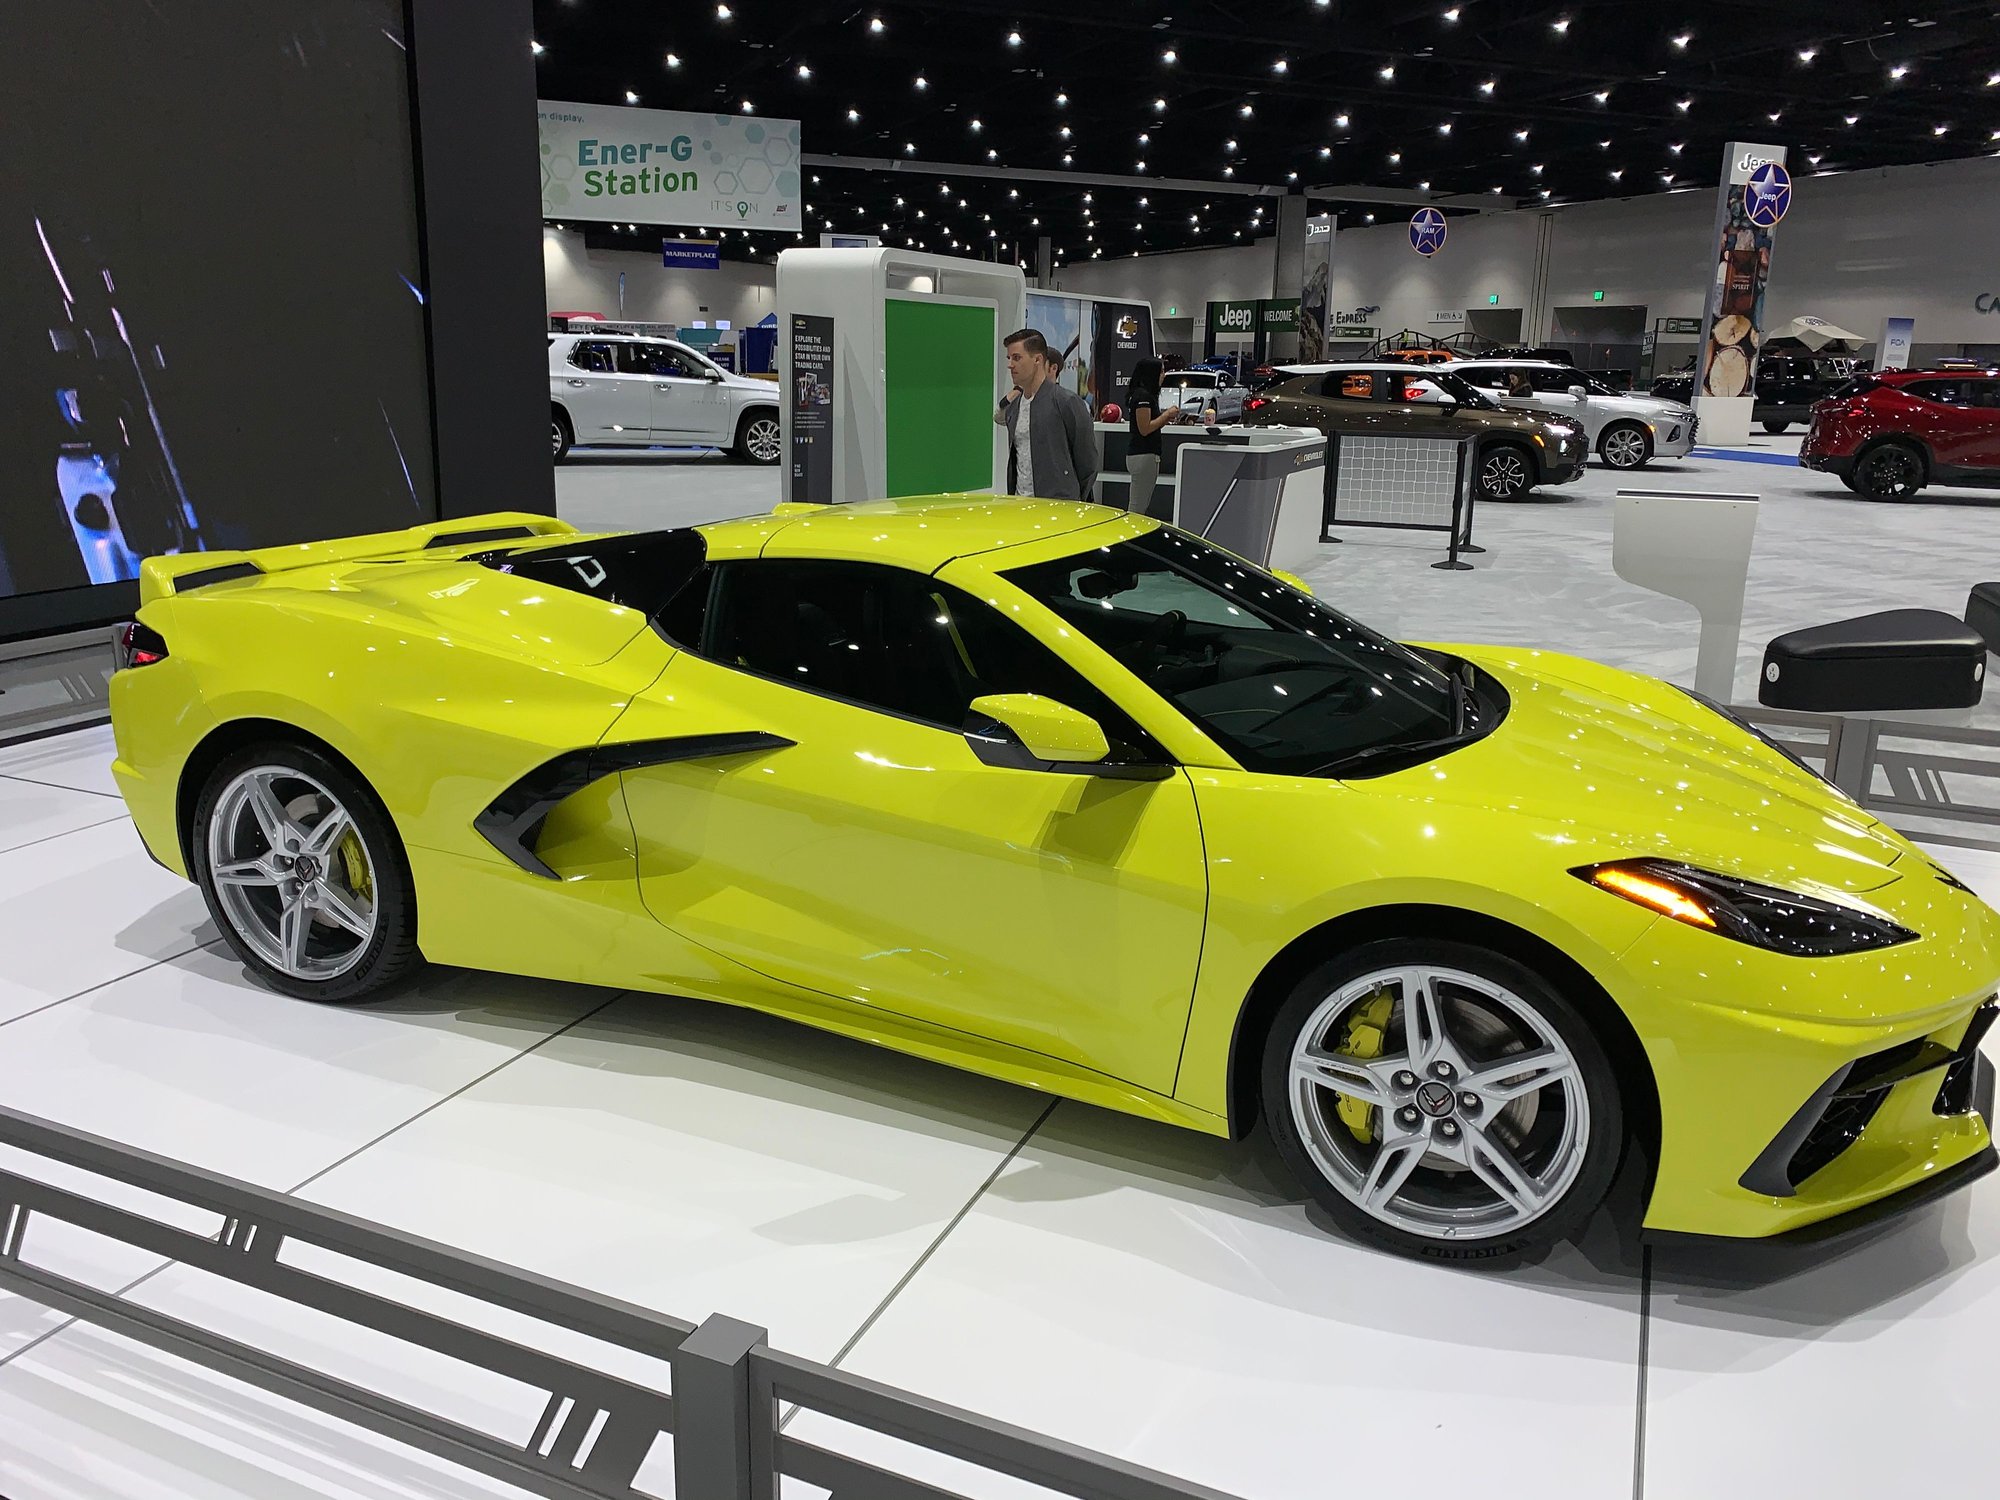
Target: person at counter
x=1143 y=421
x=1051 y=447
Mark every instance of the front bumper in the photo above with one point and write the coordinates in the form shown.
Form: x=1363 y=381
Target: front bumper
x=1673 y=438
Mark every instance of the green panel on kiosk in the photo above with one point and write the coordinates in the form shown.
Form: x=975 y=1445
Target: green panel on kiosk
x=937 y=358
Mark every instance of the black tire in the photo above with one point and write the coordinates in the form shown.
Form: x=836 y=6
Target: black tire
x=1586 y=1119
x=1777 y=427
x=562 y=436
x=390 y=955
x=1889 y=471
x=757 y=439
x=1616 y=439
x=1506 y=471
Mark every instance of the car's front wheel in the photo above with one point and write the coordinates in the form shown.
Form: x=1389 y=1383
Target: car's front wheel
x=303 y=872
x=1440 y=1100
x=1505 y=473
x=561 y=436
x=757 y=437
x=1892 y=471
x=1625 y=445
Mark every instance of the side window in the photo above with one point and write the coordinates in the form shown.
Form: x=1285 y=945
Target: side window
x=890 y=640
x=593 y=357
x=1944 y=392
x=1554 y=382
x=1985 y=393
x=1351 y=385
x=1487 y=379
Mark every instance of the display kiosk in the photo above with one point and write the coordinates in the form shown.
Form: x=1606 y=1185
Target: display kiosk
x=890 y=364
x=1259 y=491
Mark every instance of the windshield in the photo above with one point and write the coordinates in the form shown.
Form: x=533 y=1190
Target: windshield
x=1189 y=378
x=1278 y=679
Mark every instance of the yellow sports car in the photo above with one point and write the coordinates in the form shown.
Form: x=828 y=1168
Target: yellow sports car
x=1074 y=799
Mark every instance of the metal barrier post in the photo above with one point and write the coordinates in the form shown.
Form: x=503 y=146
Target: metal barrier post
x=1849 y=753
x=724 y=1448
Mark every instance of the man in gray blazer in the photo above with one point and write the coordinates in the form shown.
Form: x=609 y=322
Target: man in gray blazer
x=1051 y=447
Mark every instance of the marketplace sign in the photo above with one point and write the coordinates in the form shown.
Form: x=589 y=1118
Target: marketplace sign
x=663 y=166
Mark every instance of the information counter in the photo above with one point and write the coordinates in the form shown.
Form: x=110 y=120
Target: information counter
x=1259 y=491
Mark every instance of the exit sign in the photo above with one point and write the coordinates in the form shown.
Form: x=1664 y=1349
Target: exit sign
x=1173 y=312
x=1492 y=299
x=1597 y=296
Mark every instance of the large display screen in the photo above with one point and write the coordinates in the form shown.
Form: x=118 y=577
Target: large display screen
x=211 y=319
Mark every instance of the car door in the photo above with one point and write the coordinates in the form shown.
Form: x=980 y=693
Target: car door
x=1945 y=418
x=605 y=405
x=1983 y=441
x=676 y=399
x=874 y=858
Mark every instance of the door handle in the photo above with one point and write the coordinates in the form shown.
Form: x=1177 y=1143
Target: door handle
x=662 y=385
x=574 y=381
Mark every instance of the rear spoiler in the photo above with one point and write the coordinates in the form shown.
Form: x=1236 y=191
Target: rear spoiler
x=163 y=577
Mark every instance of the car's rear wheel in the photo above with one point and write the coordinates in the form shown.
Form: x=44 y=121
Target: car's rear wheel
x=1505 y=473
x=303 y=872
x=757 y=437
x=1775 y=427
x=1442 y=1101
x=561 y=437
x=1890 y=471
x=1624 y=445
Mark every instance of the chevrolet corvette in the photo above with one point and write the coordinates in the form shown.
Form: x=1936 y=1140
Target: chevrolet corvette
x=1074 y=799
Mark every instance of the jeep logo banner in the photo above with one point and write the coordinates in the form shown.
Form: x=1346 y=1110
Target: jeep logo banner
x=1752 y=196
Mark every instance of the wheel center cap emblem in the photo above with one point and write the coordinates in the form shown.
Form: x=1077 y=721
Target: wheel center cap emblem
x=1435 y=1100
x=306 y=868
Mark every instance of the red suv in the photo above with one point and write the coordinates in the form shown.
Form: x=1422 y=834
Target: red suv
x=1889 y=434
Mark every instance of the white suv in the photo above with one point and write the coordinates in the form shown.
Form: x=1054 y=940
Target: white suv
x=1625 y=431
x=617 y=390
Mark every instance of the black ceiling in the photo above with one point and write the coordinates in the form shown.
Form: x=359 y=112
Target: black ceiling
x=1545 y=102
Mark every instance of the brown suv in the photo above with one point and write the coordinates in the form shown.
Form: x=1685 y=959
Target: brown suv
x=1516 y=450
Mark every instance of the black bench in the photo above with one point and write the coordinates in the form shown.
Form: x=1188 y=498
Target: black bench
x=1982 y=613
x=1898 y=659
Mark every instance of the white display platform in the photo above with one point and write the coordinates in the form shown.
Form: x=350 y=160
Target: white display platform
x=1694 y=547
x=1724 y=420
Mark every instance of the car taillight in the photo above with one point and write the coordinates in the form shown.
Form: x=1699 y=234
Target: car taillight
x=138 y=646
x=1257 y=403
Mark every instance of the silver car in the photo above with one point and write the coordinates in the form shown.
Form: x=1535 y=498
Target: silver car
x=1625 y=431
x=618 y=390
x=1203 y=390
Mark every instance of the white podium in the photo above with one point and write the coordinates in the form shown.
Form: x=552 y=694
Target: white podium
x=1724 y=420
x=1693 y=547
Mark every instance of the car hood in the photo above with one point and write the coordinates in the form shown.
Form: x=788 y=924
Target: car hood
x=1646 y=406
x=1616 y=766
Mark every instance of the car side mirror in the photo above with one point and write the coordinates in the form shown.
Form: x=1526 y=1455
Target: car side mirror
x=1048 y=731
x=1293 y=579
x=1579 y=392
x=714 y=377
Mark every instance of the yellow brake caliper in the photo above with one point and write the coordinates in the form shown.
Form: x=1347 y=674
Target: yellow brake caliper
x=1367 y=1026
x=356 y=864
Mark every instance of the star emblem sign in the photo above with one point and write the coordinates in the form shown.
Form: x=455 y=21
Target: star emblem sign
x=1427 y=231
x=1768 y=195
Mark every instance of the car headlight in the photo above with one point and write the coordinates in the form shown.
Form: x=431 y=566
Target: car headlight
x=1764 y=916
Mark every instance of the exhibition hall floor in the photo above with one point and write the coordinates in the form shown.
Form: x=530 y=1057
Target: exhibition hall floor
x=1141 y=1290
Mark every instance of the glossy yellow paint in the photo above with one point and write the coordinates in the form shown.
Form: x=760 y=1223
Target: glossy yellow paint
x=1085 y=935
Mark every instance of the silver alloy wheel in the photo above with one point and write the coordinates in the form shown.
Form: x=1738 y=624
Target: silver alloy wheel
x=555 y=437
x=1478 y=1123
x=760 y=438
x=292 y=872
x=1504 y=474
x=1624 y=447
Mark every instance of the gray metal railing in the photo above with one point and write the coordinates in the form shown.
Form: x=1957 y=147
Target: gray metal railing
x=595 y=1431
x=1914 y=775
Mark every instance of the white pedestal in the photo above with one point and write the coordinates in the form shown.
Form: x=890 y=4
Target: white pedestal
x=1693 y=547
x=1725 y=420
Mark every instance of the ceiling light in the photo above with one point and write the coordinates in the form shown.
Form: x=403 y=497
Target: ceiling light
x=1340 y=122
x=853 y=115
x=804 y=71
x=1547 y=191
x=1067 y=158
x=1371 y=218
x=1676 y=147
x=1386 y=72
x=1604 y=145
x=537 y=48
x=909 y=148
x=1229 y=171
x=1280 y=66
x=1169 y=56
x=1939 y=129
x=1246 y=111
x=1496 y=190
x=1520 y=135
x=1291 y=177
x=923 y=82
x=1684 y=105
x=875 y=25
x=1159 y=106
x=1667 y=178
x=1852 y=119
x=749 y=108
x=1064 y=132
x=1394 y=157
x=1013 y=38
x=1016 y=192
x=1602 y=95
x=1229 y=145
x=1775 y=116
x=1616 y=173
x=1807 y=54
x=1683 y=39
x=1326 y=151
x=1144 y=138
x=630 y=97
x=978 y=125
x=1450 y=15
x=1993 y=80
x=1445 y=128
x=992 y=155
x=1141 y=167
x=1559 y=25
x=673 y=61
x=723 y=12
x=1899 y=70
x=1536 y=169
x=1816 y=160
x=1488 y=86
x=1062 y=99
